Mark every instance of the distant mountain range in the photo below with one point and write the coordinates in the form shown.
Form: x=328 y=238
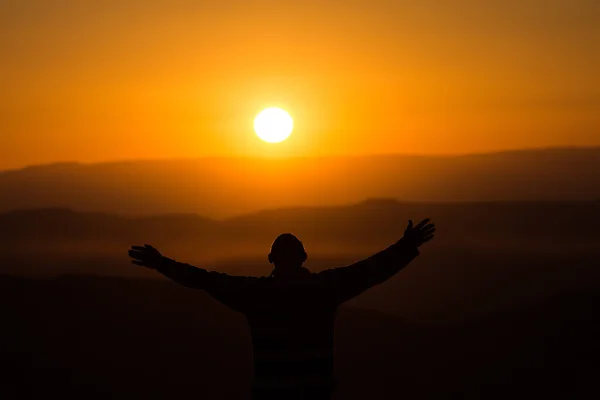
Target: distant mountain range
x=502 y=252
x=220 y=187
x=351 y=229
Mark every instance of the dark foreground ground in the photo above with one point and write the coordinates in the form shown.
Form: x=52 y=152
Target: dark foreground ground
x=91 y=337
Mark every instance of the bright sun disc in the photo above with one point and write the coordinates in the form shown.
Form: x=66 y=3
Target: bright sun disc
x=273 y=125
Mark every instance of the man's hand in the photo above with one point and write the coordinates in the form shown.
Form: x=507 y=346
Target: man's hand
x=146 y=256
x=419 y=234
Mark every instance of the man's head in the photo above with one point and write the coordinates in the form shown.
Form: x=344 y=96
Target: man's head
x=287 y=253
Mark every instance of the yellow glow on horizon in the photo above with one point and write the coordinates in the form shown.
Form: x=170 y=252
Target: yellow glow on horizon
x=273 y=125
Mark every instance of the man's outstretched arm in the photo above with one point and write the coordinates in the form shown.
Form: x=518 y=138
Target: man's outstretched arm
x=219 y=285
x=348 y=282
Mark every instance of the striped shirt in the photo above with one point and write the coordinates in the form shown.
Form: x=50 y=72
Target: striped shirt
x=292 y=320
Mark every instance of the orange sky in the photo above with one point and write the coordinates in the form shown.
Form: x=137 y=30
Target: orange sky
x=88 y=81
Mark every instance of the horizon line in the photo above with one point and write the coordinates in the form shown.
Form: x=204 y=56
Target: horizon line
x=299 y=157
x=298 y=207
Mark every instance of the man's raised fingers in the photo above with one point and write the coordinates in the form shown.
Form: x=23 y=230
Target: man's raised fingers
x=140 y=263
x=139 y=248
x=428 y=228
x=427 y=238
x=422 y=223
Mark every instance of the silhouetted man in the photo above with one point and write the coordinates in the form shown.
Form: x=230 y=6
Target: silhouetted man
x=291 y=312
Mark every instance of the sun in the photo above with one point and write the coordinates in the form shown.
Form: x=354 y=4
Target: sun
x=273 y=125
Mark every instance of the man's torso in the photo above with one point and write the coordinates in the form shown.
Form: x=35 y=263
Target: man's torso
x=292 y=325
